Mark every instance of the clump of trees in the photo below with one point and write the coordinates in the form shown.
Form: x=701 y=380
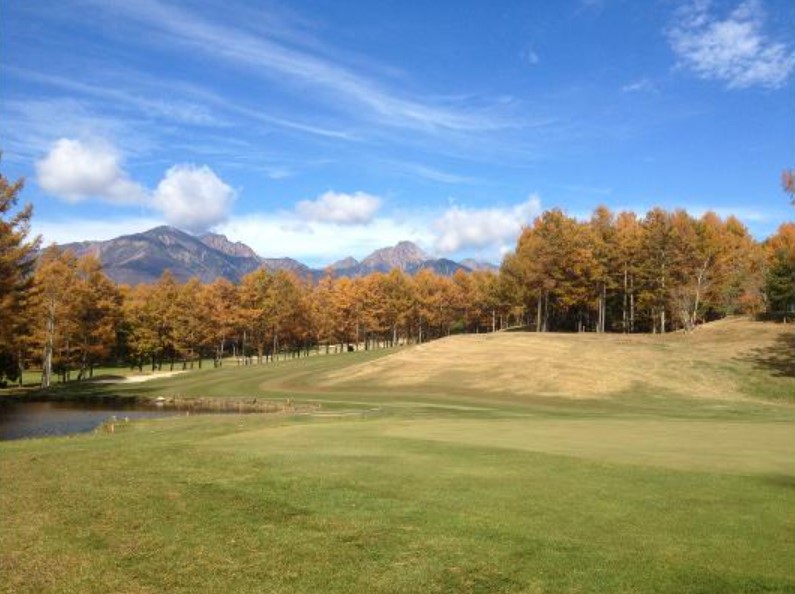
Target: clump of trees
x=613 y=273
x=662 y=272
x=79 y=318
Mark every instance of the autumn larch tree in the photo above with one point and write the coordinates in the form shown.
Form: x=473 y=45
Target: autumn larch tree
x=55 y=308
x=254 y=294
x=17 y=260
x=97 y=314
x=220 y=308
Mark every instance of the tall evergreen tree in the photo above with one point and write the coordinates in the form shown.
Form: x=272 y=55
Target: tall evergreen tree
x=780 y=279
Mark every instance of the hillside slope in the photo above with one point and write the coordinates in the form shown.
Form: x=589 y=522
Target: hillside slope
x=723 y=359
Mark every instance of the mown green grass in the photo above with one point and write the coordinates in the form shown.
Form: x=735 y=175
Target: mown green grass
x=407 y=491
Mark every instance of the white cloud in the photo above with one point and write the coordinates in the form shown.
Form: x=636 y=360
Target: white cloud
x=193 y=198
x=643 y=85
x=430 y=173
x=734 y=50
x=269 y=57
x=190 y=197
x=318 y=244
x=463 y=228
x=72 y=230
x=75 y=170
x=344 y=209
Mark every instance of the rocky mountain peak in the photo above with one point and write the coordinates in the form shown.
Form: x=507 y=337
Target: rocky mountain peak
x=402 y=256
x=473 y=264
x=345 y=263
x=222 y=244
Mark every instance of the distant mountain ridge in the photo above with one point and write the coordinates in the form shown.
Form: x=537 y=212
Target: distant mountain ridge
x=143 y=257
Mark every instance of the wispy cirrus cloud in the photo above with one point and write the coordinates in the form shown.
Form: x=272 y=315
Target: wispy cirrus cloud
x=642 y=85
x=115 y=90
x=186 y=104
x=343 y=87
x=735 y=50
x=37 y=122
x=430 y=173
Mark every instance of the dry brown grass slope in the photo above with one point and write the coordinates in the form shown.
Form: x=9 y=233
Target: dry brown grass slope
x=715 y=361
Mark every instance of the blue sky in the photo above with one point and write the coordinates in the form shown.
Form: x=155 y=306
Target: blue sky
x=319 y=130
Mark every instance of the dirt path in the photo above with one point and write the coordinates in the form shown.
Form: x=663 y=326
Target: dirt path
x=139 y=378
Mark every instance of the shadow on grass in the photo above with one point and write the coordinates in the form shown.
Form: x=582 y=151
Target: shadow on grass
x=779 y=480
x=778 y=358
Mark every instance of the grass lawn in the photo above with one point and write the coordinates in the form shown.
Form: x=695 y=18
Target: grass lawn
x=438 y=485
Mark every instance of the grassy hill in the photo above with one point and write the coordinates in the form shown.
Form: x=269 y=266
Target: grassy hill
x=714 y=362
x=492 y=463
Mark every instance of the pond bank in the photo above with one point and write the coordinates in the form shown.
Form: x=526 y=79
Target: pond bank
x=47 y=415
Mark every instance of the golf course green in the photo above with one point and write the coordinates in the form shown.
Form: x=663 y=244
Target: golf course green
x=507 y=462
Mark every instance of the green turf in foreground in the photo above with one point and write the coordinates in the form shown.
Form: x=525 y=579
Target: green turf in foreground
x=441 y=490
x=252 y=504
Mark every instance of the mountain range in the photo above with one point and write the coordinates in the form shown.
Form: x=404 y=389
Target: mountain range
x=142 y=258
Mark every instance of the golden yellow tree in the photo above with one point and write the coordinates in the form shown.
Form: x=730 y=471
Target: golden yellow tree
x=17 y=261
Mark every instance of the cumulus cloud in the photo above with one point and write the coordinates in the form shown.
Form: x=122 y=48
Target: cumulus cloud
x=75 y=170
x=193 y=198
x=734 y=50
x=319 y=244
x=460 y=228
x=344 y=209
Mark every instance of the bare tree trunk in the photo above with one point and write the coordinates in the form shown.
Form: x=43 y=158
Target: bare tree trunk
x=46 y=368
x=702 y=272
x=599 y=313
x=20 y=366
x=604 y=309
x=546 y=310
x=624 y=320
x=538 y=314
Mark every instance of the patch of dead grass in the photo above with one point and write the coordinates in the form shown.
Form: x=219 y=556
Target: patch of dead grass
x=574 y=365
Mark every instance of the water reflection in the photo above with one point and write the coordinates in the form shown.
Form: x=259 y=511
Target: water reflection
x=43 y=419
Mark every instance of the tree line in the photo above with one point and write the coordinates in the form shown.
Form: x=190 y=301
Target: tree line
x=613 y=273
x=664 y=271
x=78 y=318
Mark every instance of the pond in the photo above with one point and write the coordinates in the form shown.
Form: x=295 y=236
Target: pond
x=44 y=419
